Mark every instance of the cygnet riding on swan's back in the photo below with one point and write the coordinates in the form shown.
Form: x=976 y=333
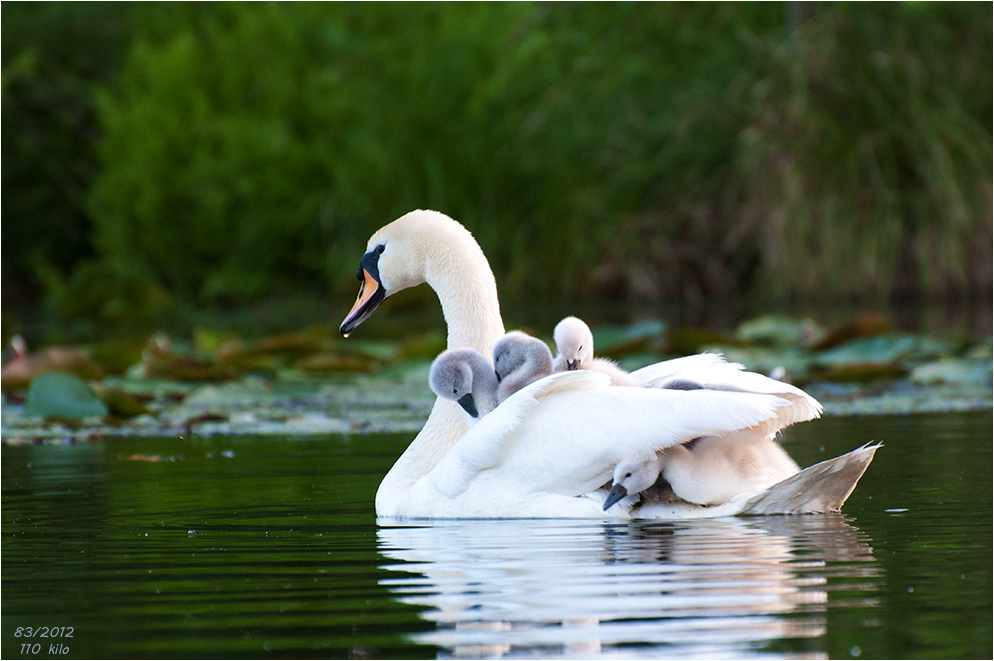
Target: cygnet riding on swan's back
x=718 y=469
x=465 y=377
x=745 y=462
x=710 y=470
x=575 y=343
x=544 y=450
x=520 y=359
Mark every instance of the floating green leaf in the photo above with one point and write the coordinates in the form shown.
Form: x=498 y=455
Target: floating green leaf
x=615 y=341
x=777 y=331
x=62 y=395
x=877 y=349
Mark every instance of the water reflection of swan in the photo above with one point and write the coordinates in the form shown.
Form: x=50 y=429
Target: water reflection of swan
x=717 y=587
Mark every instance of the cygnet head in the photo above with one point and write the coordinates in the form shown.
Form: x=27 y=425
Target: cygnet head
x=520 y=359
x=574 y=341
x=631 y=477
x=465 y=376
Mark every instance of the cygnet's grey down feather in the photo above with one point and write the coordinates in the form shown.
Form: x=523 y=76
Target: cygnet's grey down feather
x=520 y=359
x=465 y=376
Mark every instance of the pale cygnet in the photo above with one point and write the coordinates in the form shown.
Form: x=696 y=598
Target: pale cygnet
x=519 y=359
x=632 y=477
x=720 y=469
x=708 y=471
x=466 y=377
x=575 y=343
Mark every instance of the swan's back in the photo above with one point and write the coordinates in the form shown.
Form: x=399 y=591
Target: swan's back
x=566 y=433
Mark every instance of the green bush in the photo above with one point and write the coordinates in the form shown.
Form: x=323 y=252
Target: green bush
x=53 y=54
x=648 y=150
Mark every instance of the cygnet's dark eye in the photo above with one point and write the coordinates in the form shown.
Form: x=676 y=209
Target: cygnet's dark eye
x=628 y=475
x=455 y=390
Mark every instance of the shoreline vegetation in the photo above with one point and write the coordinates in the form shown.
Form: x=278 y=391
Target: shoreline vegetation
x=163 y=158
x=313 y=382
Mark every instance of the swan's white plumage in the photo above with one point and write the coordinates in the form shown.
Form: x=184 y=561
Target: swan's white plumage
x=713 y=372
x=427 y=246
x=543 y=451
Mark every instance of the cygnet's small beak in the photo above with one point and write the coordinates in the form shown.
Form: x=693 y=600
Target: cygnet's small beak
x=573 y=364
x=466 y=401
x=616 y=493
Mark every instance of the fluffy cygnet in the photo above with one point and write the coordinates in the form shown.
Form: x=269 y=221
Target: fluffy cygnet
x=519 y=359
x=465 y=377
x=632 y=477
x=575 y=344
x=708 y=471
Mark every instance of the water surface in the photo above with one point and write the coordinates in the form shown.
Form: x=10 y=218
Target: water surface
x=269 y=547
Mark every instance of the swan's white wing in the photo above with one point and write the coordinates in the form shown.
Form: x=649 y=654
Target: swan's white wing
x=684 y=368
x=802 y=405
x=566 y=434
x=571 y=444
x=711 y=371
x=473 y=453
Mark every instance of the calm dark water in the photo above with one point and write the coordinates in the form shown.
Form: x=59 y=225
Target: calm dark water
x=268 y=547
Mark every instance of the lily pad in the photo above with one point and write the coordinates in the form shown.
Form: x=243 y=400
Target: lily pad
x=877 y=349
x=777 y=331
x=765 y=361
x=866 y=326
x=860 y=372
x=62 y=395
x=952 y=370
x=615 y=341
x=121 y=402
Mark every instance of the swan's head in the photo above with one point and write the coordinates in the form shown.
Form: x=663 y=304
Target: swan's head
x=574 y=341
x=465 y=377
x=631 y=477
x=398 y=256
x=516 y=350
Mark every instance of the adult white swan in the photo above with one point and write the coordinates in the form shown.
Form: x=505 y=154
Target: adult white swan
x=562 y=436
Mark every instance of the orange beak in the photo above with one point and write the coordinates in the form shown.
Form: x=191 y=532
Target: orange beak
x=371 y=294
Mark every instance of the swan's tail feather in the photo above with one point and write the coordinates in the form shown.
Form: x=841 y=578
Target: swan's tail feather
x=819 y=488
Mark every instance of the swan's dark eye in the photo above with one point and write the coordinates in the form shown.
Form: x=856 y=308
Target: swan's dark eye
x=380 y=248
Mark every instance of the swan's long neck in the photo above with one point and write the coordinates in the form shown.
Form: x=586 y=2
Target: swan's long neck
x=456 y=268
x=465 y=286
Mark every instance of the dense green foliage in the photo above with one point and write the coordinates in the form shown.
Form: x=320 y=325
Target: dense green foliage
x=53 y=55
x=649 y=150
